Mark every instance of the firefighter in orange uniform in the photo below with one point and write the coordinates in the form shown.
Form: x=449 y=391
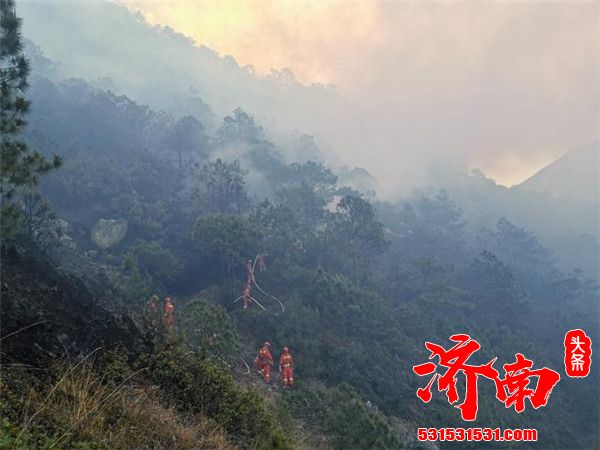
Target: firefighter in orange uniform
x=286 y=367
x=264 y=361
x=169 y=311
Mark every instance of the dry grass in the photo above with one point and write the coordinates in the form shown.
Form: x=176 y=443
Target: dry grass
x=82 y=407
x=165 y=428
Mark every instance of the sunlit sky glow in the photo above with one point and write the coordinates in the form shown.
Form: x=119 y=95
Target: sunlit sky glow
x=305 y=36
x=512 y=84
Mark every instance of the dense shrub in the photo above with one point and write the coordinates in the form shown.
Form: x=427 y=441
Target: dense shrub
x=196 y=385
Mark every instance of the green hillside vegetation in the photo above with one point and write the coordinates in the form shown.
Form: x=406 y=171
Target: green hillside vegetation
x=364 y=284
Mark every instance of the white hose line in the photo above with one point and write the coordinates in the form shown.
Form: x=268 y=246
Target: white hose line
x=247 y=367
x=269 y=295
x=266 y=294
x=256 y=301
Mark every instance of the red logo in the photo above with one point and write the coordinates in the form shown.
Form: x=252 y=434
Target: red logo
x=512 y=390
x=578 y=354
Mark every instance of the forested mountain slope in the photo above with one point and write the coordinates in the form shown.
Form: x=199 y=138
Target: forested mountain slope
x=559 y=204
x=363 y=287
x=168 y=205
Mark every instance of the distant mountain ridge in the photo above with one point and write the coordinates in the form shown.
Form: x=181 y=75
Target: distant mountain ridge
x=574 y=176
x=160 y=67
x=560 y=204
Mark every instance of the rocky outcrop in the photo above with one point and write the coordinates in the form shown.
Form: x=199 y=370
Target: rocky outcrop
x=108 y=232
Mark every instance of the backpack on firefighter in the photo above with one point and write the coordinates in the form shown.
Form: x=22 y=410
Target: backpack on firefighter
x=264 y=361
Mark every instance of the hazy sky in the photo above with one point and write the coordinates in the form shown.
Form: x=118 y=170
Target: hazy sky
x=505 y=86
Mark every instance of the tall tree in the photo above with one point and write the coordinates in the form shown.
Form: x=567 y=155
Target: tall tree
x=355 y=230
x=224 y=243
x=19 y=166
x=239 y=127
x=188 y=137
x=220 y=188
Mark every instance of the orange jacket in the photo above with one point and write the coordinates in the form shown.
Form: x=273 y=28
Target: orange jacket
x=264 y=356
x=286 y=360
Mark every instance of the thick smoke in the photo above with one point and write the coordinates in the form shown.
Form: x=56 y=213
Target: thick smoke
x=503 y=87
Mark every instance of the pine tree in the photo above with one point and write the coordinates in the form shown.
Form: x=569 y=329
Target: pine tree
x=19 y=166
x=188 y=137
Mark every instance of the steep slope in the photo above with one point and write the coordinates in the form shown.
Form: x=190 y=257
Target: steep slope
x=106 y=380
x=574 y=176
x=119 y=50
x=46 y=313
x=560 y=204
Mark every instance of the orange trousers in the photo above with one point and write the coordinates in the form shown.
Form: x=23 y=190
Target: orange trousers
x=288 y=376
x=265 y=369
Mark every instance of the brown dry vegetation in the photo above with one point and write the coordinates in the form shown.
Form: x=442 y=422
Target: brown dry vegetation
x=80 y=409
